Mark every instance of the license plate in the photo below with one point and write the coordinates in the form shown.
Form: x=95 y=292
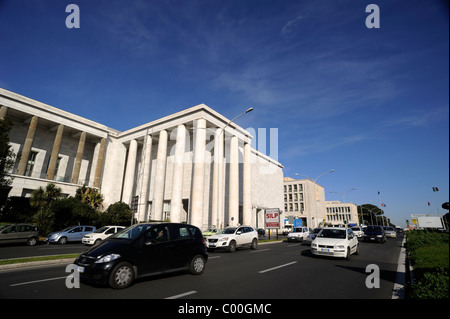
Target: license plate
x=212 y=245
x=80 y=269
x=324 y=249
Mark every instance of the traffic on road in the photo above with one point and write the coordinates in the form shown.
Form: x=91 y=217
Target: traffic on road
x=279 y=269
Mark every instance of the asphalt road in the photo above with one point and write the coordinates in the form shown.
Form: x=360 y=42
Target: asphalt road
x=273 y=271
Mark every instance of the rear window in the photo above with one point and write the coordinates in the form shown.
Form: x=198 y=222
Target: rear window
x=373 y=229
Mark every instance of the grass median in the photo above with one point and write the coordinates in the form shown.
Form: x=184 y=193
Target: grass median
x=33 y=259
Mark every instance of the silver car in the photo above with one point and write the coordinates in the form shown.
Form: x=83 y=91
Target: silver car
x=19 y=233
x=390 y=232
x=73 y=233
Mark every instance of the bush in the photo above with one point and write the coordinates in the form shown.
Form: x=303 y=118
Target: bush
x=429 y=255
x=118 y=214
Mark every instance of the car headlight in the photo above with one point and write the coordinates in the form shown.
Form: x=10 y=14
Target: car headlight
x=339 y=247
x=313 y=245
x=223 y=239
x=379 y=236
x=107 y=258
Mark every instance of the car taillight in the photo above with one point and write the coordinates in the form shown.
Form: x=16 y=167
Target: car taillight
x=203 y=241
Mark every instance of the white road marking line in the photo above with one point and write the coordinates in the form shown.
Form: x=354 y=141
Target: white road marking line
x=277 y=267
x=182 y=295
x=259 y=250
x=35 y=281
x=213 y=257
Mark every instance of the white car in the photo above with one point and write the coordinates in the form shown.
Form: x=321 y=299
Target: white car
x=335 y=242
x=298 y=234
x=358 y=231
x=100 y=234
x=233 y=237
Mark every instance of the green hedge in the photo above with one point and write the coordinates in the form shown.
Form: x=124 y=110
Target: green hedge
x=429 y=256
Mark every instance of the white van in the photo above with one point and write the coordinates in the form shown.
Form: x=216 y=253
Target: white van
x=100 y=234
x=298 y=234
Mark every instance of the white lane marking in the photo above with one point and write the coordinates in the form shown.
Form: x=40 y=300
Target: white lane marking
x=213 y=257
x=182 y=295
x=35 y=281
x=277 y=267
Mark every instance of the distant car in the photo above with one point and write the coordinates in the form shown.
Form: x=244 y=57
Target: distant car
x=232 y=238
x=335 y=242
x=143 y=250
x=312 y=235
x=73 y=233
x=210 y=231
x=298 y=234
x=390 y=232
x=100 y=234
x=358 y=231
x=19 y=233
x=374 y=233
x=261 y=231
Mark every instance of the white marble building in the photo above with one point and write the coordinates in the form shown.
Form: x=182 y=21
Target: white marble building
x=192 y=166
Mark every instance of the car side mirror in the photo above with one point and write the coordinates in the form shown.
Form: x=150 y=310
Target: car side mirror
x=238 y=233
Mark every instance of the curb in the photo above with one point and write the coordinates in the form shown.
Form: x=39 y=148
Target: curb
x=37 y=263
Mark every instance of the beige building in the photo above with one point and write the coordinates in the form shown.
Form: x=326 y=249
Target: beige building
x=305 y=200
x=193 y=166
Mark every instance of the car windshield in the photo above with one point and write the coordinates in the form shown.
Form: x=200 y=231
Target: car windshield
x=332 y=233
x=132 y=232
x=373 y=229
x=356 y=229
x=317 y=230
x=230 y=230
x=389 y=228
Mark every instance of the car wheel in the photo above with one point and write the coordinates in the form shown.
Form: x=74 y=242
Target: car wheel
x=122 y=276
x=254 y=244
x=197 y=265
x=97 y=241
x=62 y=241
x=232 y=246
x=31 y=241
x=348 y=253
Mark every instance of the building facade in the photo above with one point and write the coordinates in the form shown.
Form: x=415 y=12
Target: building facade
x=192 y=166
x=305 y=200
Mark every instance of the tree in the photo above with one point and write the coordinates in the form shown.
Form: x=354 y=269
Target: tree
x=369 y=214
x=7 y=160
x=90 y=196
x=42 y=200
x=118 y=213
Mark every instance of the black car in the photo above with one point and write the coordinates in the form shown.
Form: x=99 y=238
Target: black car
x=374 y=233
x=142 y=250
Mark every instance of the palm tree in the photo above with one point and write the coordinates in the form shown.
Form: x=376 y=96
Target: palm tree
x=42 y=199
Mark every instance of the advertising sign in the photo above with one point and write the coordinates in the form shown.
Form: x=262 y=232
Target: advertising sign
x=272 y=218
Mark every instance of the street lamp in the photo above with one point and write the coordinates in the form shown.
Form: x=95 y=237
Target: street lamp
x=315 y=196
x=343 y=195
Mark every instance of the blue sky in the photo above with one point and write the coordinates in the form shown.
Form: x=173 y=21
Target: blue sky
x=373 y=104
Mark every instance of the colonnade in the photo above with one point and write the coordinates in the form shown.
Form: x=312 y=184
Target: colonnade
x=51 y=171
x=217 y=205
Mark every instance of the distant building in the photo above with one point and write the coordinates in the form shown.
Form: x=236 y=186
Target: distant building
x=171 y=168
x=305 y=201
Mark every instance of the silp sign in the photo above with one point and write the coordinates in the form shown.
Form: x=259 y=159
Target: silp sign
x=272 y=218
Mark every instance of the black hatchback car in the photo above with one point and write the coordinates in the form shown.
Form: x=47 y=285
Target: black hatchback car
x=142 y=250
x=375 y=234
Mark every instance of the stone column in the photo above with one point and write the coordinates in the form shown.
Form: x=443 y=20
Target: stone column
x=247 y=187
x=55 y=151
x=143 y=198
x=27 y=146
x=198 y=178
x=160 y=178
x=3 y=111
x=176 y=206
x=78 y=158
x=99 y=166
x=129 y=173
x=233 y=192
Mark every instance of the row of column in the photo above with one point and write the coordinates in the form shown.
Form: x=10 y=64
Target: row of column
x=197 y=201
x=26 y=150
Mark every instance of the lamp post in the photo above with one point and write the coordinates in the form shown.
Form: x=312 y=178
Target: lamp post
x=343 y=195
x=315 y=196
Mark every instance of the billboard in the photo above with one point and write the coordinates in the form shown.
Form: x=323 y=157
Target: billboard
x=428 y=221
x=272 y=218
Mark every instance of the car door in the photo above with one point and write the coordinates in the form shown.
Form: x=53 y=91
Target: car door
x=353 y=240
x=154 y=255
x=183 y=248
x=76 y=234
